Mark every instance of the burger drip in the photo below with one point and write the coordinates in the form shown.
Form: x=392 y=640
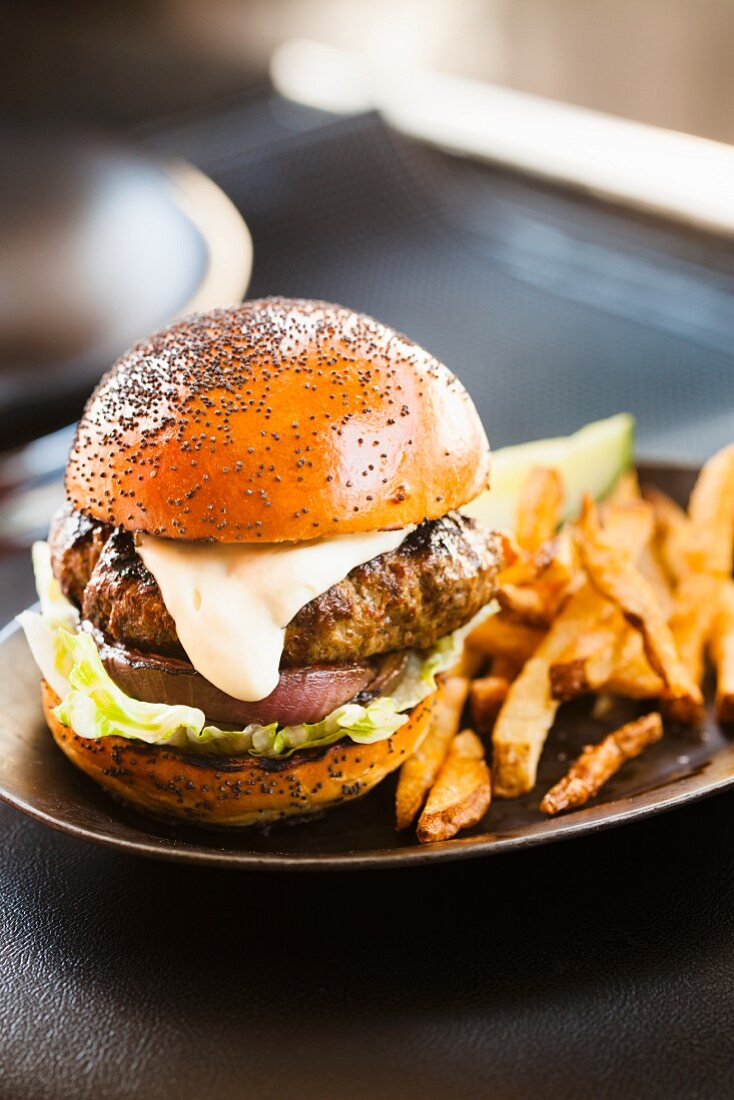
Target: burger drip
x=232 y=602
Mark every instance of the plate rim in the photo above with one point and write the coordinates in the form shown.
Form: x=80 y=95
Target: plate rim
x=594 y=819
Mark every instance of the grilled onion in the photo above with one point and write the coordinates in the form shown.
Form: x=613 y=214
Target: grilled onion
x=302 y=694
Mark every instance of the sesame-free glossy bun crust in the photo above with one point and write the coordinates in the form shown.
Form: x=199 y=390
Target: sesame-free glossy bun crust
x=234 y=790
x=276 y=420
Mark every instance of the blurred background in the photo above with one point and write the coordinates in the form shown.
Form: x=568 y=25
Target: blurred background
x=666 y=62
x=540 y=191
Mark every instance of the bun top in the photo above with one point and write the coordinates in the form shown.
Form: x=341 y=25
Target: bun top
x=276 y=420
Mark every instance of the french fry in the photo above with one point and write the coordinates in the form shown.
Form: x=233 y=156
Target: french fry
x=570 y=678
x=529 y=709
x=611 y=659
x=632 y=675
x=538 y=508
x=487 y=694
x=420 y=770
x=651 y=567
x=521 y=728
x=589 y=661
x=609 y=656
x=535 y=588
x=722 y=653
x=462 y=792
x=626 y=491
x=711 y=512
x=629 y=526
x=533 y=604
x=555 y=562
x=500 y=636
x=616 y=577
x=671 y=533
x=694 y=609
x=598 y=763
x=486 y=697
x=511 y=552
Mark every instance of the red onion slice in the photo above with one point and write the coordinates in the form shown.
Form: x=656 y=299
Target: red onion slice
x=302 y=695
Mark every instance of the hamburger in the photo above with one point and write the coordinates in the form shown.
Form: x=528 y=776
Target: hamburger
x=261 y=566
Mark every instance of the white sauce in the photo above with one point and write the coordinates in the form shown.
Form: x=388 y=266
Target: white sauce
x=231 y=603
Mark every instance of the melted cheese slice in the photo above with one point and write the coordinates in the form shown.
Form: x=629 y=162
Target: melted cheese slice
x=231 y=603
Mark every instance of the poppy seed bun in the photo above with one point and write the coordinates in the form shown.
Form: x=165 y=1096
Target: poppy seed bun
x=276 y=420
x=234 y=790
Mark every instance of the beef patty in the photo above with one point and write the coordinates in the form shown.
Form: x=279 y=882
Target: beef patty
x=435 y=581
x=76 y=541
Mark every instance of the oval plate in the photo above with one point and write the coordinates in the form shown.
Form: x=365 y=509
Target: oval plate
x=38 y=780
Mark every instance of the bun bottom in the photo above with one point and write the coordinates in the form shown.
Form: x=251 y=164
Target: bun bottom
x=235 y=790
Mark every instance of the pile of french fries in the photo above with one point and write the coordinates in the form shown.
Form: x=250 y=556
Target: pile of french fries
x=630 y=599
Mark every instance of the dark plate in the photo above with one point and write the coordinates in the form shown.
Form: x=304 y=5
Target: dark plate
x=38 y=780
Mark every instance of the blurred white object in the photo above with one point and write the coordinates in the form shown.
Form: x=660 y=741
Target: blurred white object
x=228 y=240
x=322 y=76
x=99 y=245
x=671 y=174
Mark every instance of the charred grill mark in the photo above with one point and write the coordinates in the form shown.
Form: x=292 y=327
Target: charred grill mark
x=123 y=599
x=75 y=542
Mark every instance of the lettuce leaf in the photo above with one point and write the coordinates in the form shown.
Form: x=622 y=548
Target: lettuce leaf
x=41 y=630
x=55 y=608
x=95 y=706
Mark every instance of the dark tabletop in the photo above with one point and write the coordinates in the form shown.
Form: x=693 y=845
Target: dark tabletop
x=596 y=967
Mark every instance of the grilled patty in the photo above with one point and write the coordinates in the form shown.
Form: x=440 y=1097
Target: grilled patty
x=436 y=580
x=75 y=541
